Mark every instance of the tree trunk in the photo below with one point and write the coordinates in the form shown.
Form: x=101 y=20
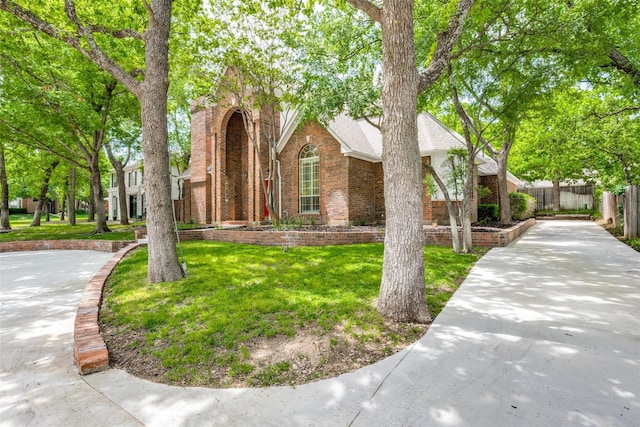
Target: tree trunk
x=92 y=203
x=118 y=167
x=152 y=94
x=63 y=208
x=503 y=190
x=47 y=210
x=556 y=195
x=4 y=184
x=98 y=195
x=122 y=197
x=71 y=204
x=402 y=291
x=42 y=197
x=453 y=221
x=163 y=259
x=467 y=205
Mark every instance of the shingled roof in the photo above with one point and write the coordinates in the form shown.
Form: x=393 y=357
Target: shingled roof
x=359 y=138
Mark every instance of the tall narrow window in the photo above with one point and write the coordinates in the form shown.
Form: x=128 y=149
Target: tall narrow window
x=309 y=180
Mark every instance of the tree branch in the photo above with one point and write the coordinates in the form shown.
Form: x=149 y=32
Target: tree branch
x=445 y=42
x=37 y=143
x=119 y=34
x=373 y=11
x=623 y=64
x=95 y=54
x=613 y=113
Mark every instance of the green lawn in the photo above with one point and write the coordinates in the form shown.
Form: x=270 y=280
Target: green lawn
x=61 y=230
x=235 y=294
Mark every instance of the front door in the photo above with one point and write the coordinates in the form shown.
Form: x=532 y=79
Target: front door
x=133 y=206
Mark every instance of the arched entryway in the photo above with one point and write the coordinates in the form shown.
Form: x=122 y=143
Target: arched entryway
x=235 y=203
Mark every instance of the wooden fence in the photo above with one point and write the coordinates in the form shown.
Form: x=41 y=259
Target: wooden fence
x=609 y=207
x=571 y=197
x=631 y=207
x=630 y=203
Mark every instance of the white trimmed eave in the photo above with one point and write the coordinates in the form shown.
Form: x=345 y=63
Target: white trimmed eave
x=362 y=156
x=288 y=130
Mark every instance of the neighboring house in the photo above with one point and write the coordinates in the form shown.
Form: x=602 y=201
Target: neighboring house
x=134 y=183
x=329 y=175
x=29 y=205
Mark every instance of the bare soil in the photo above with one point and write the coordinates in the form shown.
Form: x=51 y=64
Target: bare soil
x=308 y=356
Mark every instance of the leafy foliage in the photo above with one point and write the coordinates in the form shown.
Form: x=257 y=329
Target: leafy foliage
x=488 y=212
x=523 y=205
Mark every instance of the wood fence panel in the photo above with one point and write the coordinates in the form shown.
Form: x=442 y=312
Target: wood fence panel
x=631 y=207
x=575 y=197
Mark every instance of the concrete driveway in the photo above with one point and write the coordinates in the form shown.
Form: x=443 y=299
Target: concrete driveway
x=39 y=386
x=544 y=332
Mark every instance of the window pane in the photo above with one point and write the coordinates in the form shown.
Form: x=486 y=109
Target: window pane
x=309 y=177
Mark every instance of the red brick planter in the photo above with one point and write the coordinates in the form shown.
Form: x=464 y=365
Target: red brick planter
x=434 y=236
x=89 y=350
x=45 y=245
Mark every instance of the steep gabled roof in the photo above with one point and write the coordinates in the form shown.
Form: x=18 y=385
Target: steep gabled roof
x=359 y=138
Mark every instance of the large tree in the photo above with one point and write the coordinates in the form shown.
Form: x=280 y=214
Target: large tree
x=147 y=30
x=56 y=109
x=4 y=187
x=402 y=291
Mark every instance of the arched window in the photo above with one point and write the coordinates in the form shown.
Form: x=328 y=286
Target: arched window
x=309 y=180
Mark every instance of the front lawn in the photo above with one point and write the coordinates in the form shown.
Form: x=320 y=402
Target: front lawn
x=258 y=316
x=61 y=230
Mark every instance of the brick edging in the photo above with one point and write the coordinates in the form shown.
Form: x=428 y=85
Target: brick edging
x=46 y=245
x=89 y=350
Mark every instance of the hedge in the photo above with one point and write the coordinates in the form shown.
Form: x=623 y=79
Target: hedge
x=488 y=212
x=523 y=205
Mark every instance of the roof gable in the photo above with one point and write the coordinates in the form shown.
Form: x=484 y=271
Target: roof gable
x=361 y=139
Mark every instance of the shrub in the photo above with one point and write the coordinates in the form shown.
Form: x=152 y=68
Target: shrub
x=488 y=212
x=17 y=211
x=522 y=205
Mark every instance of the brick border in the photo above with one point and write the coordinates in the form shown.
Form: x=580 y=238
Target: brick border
x=89 y=349
x=440 y=235
x=46 y=245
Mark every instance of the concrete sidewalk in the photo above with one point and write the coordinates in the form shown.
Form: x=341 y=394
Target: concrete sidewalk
x=544 y=332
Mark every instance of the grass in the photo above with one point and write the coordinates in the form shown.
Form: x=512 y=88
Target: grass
x=618 y=232
x=237 y=293
x=592 y=212
x=61 y=230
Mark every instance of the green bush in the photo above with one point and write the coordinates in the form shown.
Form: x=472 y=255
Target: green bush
x=522 y=205
x=488 y=212
x=17 y=211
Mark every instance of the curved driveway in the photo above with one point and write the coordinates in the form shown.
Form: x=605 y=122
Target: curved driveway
x=544 y=332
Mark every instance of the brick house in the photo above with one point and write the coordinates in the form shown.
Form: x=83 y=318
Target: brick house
x=325 y=174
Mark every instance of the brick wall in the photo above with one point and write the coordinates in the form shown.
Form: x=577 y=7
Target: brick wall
x=363 y=191
x=440 y=212
x=200 y=179
x=491 y=182
x=282 y=238
x=442 y=235
x=434 y=236
x=45 y=245
x=334 y=173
